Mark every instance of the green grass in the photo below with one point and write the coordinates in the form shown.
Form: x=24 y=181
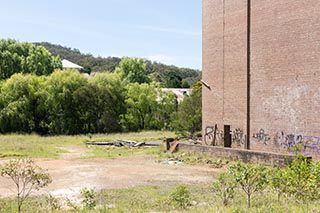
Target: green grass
x=145 y=136
x=148 y=198
x=32 y=146
x=156 y=198
x=35 y=146
x=114 y=152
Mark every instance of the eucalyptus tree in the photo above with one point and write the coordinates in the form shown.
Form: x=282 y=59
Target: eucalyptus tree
x=16 y=57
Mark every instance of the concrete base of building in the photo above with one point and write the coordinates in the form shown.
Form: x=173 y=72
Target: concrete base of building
x=246 y=156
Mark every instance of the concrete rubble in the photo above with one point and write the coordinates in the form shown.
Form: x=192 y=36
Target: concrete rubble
x=120 y=143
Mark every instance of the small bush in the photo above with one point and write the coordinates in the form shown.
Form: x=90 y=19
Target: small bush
x=89 y=198
x=52 y=202
x=26 y=176
x=250 y=178
x=303 y=179
x=278 y=181
x=224 y=187
x=180 y=197
x=72 y=205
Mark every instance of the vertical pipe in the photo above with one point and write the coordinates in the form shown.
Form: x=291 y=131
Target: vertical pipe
x=223 y=54
x=248 y=69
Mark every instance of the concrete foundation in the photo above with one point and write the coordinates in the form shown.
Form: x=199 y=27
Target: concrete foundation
x=246 y=156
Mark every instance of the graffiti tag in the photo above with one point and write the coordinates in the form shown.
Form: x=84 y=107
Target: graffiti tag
x=238 y=137
x=309 y=144
x=261 y=136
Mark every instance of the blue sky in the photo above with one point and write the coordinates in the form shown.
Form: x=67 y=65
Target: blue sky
x=167 y=31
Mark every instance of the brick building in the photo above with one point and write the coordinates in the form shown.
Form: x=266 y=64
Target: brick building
x=261 y=74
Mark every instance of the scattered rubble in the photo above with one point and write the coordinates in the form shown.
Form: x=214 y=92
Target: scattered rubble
x=195 y=142
x=120 y=143
x=172 y=161
x=187 y=158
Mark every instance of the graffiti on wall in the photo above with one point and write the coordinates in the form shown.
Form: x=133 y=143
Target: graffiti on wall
x=261 y=137
x=286 y=142
x=213 y=136
x=311 y=144
x=238 y=137
x=290 y=142
x=281 y=141
x=208 y=135
x=219 y=137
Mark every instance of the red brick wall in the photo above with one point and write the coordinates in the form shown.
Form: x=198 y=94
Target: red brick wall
x=224 y=65
x=285 y=81
x=212 y=63
x=285 y=73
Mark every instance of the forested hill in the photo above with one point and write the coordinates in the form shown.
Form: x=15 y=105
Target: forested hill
x=169 y=76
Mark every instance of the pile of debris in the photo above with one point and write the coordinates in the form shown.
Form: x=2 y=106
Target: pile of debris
x=173 y=161
x=119 y=143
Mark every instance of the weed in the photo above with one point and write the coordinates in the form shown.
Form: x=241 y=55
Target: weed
x=89 y=198
x=72 y=205
x=180 y=197
x=224 y=187
x=52 y=202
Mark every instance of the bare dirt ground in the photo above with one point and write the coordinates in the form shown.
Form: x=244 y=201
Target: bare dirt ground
x=70 y=174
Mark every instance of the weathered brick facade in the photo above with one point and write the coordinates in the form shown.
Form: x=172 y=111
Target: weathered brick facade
x=284 y=80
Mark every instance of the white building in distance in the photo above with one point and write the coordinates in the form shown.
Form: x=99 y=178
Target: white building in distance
x=70 y=65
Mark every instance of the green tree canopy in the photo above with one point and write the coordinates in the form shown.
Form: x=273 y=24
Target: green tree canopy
x=156 y=71
x=16 y=57
x=147 y=107
x=68 y=102
x=173 y=80
x=133 y=70
x=61 y=86
x=141 y=103
x=109 y=101
x=21 y=104
x=187 y=120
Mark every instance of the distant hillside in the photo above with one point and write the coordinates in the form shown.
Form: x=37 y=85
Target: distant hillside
x=90 y=63
x=169 y=76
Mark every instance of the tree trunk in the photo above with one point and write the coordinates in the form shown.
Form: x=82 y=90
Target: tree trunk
x=19 y=204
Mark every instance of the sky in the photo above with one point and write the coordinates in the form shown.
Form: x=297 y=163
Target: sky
x=167 y=31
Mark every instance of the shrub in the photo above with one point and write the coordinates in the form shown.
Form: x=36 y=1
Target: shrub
x=303 y=179
x=180 y=197
x=89 y=198
x=224 y=187
x=52 y=202
x=250 y=178
x=278 y=181
x=27 y=178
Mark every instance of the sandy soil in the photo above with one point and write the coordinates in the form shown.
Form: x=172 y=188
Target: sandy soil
x=70 y=175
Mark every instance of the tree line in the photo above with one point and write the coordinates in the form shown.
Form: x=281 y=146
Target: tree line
x=168 y=76
x=68 y=102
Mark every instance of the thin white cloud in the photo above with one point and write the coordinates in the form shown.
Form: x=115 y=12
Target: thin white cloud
x=106 y=55
x=171 y=30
